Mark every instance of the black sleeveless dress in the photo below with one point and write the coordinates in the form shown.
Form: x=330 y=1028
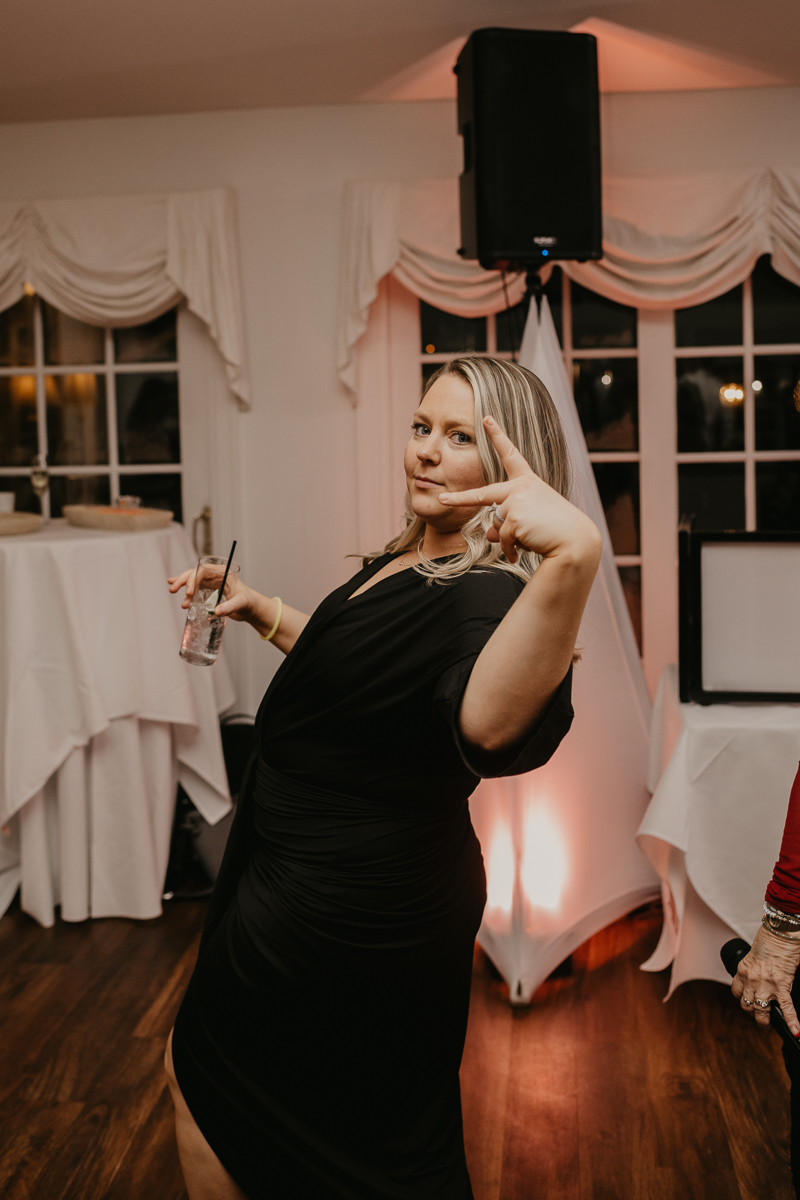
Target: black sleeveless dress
x=319 y=1041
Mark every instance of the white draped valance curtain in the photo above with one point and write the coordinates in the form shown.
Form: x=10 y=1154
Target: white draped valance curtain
x=124 y=260
x=669 y=242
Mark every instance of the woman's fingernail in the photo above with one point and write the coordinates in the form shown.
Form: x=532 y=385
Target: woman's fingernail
x=489 y=420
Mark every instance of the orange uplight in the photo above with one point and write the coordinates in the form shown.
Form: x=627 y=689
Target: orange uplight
x=23 y=389
x=500 y=870
x=545 y=866
x=77 y=391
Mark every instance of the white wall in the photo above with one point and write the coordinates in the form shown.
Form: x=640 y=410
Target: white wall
x=288 y=167
x=697 y=131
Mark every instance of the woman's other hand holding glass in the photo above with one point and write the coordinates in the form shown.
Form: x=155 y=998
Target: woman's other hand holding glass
x=243 y=603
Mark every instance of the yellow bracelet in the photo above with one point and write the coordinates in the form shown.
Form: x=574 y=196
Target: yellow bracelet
x=267 y=637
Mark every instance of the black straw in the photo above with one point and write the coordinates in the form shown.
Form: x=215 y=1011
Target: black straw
x=221 y=592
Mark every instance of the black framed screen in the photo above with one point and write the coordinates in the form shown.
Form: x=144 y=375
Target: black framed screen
x=739 y=616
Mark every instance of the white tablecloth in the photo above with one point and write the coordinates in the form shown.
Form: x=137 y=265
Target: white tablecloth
x=720 y=776
x=100 y=719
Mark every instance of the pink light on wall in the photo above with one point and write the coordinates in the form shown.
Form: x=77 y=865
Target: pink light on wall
x=500 y=870
x=527 y=859
x=544 y=869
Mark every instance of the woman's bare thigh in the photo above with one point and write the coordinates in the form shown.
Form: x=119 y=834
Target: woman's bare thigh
x=204 y=1174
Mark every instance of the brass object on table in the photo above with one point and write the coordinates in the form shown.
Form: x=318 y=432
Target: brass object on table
x=204 y=518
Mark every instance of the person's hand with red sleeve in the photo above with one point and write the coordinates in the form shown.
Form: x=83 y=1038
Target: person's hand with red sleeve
x=767 y=972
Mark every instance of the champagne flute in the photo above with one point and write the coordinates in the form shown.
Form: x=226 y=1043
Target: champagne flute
x=40 y=478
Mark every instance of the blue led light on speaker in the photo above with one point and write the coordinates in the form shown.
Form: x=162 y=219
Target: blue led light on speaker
x=545 y=253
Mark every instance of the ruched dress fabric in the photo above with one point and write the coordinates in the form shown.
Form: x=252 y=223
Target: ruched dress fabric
x=319 y=1041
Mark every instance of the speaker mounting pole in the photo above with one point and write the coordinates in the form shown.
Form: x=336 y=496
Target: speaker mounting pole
x=534 y=286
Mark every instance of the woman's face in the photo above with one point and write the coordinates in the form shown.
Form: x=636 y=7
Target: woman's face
x=441 y=455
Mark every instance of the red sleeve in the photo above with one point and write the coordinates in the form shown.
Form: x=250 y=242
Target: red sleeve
x=784 y=890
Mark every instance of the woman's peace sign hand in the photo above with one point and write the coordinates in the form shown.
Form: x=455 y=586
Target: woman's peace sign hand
x=530 y=515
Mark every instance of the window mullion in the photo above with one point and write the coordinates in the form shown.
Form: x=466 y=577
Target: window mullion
x=658 y=491
x=41 y=394
x=111 y=417
x=749 y=410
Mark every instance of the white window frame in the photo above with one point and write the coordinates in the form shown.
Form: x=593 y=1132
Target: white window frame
x=109 y=369
x=572 y=355
x=658 y=456
x=748 y=350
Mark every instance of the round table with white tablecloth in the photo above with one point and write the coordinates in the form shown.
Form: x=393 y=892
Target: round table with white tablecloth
x=100 y=720
x=720 y=775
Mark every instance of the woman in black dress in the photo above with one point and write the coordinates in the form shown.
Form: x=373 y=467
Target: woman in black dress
x=317 y=1048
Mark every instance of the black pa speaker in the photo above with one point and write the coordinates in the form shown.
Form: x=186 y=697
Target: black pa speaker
x=529 y=114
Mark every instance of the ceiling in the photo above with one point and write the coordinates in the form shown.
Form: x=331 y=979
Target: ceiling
x=101 y=58
x=627 y=61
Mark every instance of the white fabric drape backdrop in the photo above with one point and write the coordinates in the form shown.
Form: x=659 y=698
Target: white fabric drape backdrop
x=123 y=260
x=669 y=242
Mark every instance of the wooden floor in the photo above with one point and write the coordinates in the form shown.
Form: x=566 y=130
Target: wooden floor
x=598 y=1090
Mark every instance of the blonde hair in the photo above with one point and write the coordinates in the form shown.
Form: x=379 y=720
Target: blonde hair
x=523 y=408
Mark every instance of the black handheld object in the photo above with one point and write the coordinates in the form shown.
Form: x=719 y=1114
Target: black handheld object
x=732 y=954
x=221 y=592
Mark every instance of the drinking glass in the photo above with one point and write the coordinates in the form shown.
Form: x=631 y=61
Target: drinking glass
x=202 y=633
x=40 y=478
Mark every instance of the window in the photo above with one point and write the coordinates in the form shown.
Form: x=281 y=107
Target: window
x=737 y=362
x=716 y=438
x=100 y=404
x=599 y=341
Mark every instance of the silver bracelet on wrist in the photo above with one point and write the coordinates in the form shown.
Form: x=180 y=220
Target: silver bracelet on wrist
x=787 y=937
x=785 y=918
x=783 y=925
